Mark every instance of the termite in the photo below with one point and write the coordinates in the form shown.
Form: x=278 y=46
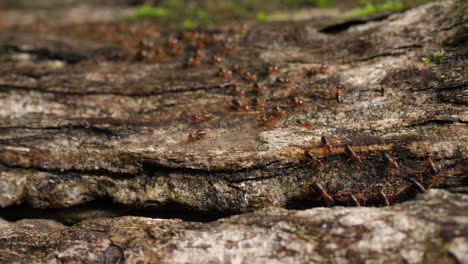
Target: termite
x=278 y=111
x=267 y=120
x=418 y=185
x=312 y=157
x=250 y=76
x=430 y=163
x=198 y=118
x=260 y=88
x=315 y=71
x=237 y=68
x=175 y=50
x=283 y=81
x=322 y=69
x=147 y=44
x=199 y=54
x=319 y=188
x=190 y=36
x=384 y=198
x=391 y=161
x=240 y=28
x=237 y=91
x=197 y=44
x=172 y=42
x=146 y=55
x=273 y=69
x=258 y=103
x=240 y=106
x=355 y=200
x=197 y=135
x=298 y=102
x=327 y=145
x=339 y=93
x=353 y=155
x=216 y=60
x=191 y=62
x=225 y=73
x=303 y=123
x=227 y=48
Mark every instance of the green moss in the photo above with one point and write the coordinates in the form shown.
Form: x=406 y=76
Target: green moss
x=437 y=57
x=426 y=61
x=150 y=12
x=369 y=7
x=192 y=13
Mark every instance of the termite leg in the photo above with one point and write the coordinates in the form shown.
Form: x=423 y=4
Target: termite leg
x=355 y=200
x=384 y=198
x=319 y=188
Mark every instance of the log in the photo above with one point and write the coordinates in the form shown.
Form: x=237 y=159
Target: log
x=201 y=122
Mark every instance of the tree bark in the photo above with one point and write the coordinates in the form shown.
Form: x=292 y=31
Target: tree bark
x=92 y=111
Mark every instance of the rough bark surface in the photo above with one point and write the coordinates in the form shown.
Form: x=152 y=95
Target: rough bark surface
x=81 y=119
x=92 y=111
x=431 y=229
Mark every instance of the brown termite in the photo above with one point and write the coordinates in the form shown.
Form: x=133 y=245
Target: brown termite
x=260 y=88
x=384 y=198
x=355 y=200
x=391 y=161
x=258 y=103
x=205 y=38
x=197 y=135
x=298 y=102
x=191 y=62
x=418 y=185
x=278 y=111
x=240 y=28
x=283 y=81
x=323 y=68
x=147 y=44
x=303 y=123
x=237 y=68
x=227 y=47
x=216 y=60
x=430 y=163
x=314 y=71
x=312 y=157
x=319 y=188
x=198 y=118
x=175 y=50
x=225 y=73
x=146 y=55
x=353 y=155
x=172 y=42
x=327 y=144
x=199 y=54
x=338 y=93
x=267 y=120
x=250 y=76
x=190 y=35
x=240 y=106
x=158 y=53
x=237 y=91
x=273 y=69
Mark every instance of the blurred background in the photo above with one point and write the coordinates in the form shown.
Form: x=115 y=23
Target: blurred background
x=201 y=13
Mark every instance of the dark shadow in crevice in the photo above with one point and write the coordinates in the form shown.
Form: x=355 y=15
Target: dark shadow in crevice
x=105 y=208
x=340 y=27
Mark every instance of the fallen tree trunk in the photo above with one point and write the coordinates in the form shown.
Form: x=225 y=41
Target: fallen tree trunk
x=96 y=123
x=94 y=110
